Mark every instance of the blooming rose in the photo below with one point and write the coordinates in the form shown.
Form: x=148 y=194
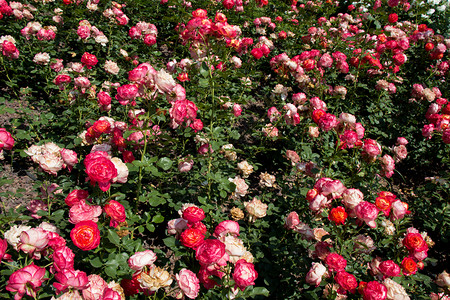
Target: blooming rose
x=96 y=287
x=6 y=140
x=211 y=252
x=226 y=227
x=126 y=92
x=192 y=238
x=111 y=67
x=351 y=198
x=337 y=215
x=335 y=262
x=116 y=211
x=89 y=60
x=154 y=279
x=327 y=122
x=371 y=148
x=193 y=214
x=33 y=241
x=256 y=208
x=164 y=81
x=346 y=281
x=244 y=274
x=367 y=212
x=292 y=220
x=141 y=259
x=122 y=170
x=389 y=268
x=188 y=283
x=364 y=243
x=85 y=235
x=394 y=290
x=245 y=168
x=26 y=281
x=63 y=258
x=374 y=291
x=234 y=247
x=176 y=226
x=100 y=169
x=415 y=242
x=315 y=274
x=84 y=212
x=75 y=196
x=443 y=279
x=70 y=279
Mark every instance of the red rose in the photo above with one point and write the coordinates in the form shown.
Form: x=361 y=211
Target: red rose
x=244 y=274
x=415 y=242
x=374 y=291
x=389 y=268
x=89 y=60
x=257 y=53
x=211 y=252
x=193 y=214
x=75 y=196
x=85 y=235
x=393 y=18
x=335 y=262
x=116 y=211
x=346 y=281
x=338 y=215
x=409 y=266
x=192 y=238
x=100 y=168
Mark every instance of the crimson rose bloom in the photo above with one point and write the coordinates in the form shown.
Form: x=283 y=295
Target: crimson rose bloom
x=244 y=274
x=26 y=281
x=6 y=140
x=374 y=291
x=389 y=268
x=335 y=262
x=101 y=169
x=415 y=242
x=85 y=235
x=116 y=211
x=193 y=214
x=192 y=238
x=210 y=252
x=75 y=196
x=346 y=281
x=89 y=60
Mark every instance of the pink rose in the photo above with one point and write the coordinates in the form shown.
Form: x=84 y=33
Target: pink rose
x=273 y=114
x=367 y=212
x=104 y=101
x=371 y=148
x=325 y=61
x=110 y=294
x=351 y=198
x=84 y=212
x=237 y=110
x=188 y=283
x=89 y=60
x=244 y=274
x=335 y=262
x=193 y=214
x=126 y=92
x=374 y=291
x=185 y=165
x=164 y=81
x=33 y=241
x=327 y=122
x=6 y=140
x=63 y=258
x=100 y=169
x=318 y=203
x=400 y=152
x=176 y=226
x=141 y=259
x=69 y=157
x=96 y=287
x=292 y=220
x=333 y=188
x=116 y=211
x=389 y=268
x=388 y=165
x=226 y=227
x=75 y=196
x=211 y=252
x=346 y=281
x=70 y=279
x=26 y=281
x=315 y=274
x=183 y=110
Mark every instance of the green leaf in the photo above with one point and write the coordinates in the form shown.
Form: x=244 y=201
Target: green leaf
x=158 y=219
x=113 y=237
x=204 y=83
x=150 y=227
x=165 y=163
x=169 y=242
x=204 y=70
x=96 y=262
x=259 y=291
x=111 y=271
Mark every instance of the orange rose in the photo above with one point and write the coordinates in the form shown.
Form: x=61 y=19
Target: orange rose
x=85 y=235
x=338 y=215
x=409 y=266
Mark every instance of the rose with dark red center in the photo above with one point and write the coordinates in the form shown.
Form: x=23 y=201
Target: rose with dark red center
x=415 y=242
x=86 y=235
x=389 y=268
x=338 y=215
x=211 y=252
x=335 y=262
x=89 y=60
x=346 y=281
x=409 y=266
